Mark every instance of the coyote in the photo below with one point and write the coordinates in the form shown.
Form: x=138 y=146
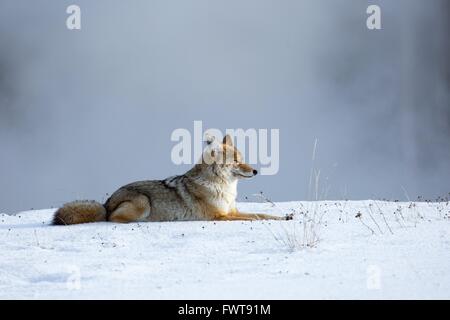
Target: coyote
x=206 y=192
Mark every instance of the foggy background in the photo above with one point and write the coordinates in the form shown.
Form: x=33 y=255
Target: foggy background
x=84 y=112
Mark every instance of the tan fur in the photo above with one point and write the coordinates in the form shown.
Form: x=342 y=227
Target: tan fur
x=236 y=215
x=79 y=212
x=137 y=209
x=206 y=192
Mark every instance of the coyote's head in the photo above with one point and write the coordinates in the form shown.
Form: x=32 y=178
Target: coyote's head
x=225 y=159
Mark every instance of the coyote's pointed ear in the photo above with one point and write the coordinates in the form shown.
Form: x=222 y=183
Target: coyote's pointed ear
x=228 y=140
x=209 y=139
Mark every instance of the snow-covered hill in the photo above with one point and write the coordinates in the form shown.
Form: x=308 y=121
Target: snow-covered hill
x=344 y=249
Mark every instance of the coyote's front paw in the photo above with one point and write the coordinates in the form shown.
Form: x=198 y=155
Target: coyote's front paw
x=289 y=216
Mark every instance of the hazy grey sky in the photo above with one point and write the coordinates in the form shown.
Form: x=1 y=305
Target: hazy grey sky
x=84 y=112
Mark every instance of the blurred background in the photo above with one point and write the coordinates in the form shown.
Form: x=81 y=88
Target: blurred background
x=84 y=112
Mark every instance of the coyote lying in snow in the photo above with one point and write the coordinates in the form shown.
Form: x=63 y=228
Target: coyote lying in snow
x=206 y=192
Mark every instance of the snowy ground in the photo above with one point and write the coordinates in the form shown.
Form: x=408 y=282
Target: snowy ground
x=357 y=256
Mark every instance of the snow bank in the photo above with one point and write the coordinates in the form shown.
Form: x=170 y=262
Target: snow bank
x=364 y=249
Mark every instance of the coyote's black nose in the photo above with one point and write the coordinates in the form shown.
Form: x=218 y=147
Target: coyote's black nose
x=255 y=172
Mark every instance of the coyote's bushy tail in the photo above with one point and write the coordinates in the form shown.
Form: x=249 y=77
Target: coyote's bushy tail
x=81 y=211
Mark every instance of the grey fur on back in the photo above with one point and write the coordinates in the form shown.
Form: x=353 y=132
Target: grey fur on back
x=170 y=199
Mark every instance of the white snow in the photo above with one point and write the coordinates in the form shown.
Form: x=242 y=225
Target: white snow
x=235 y=260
